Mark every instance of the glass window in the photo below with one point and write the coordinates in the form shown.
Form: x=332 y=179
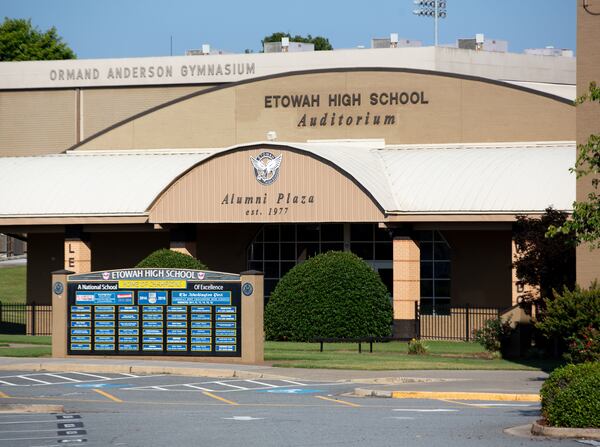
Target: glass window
x=256 y=252
x=271 y=233
x=442 y=269
x=288 y=233
x=288 y=251
x=361 y=232
x=383 y=251
x=426 y=251
x=435 y=273
x=363 y=250
x=308 y=232
x=426 y=288
x=426 y=270
x=331 y=246
x=382 y=234
x=286 y=267
x=271 y=251
x=272 y=270
x=332 y=232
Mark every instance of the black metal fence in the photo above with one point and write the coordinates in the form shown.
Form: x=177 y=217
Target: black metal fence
x=455 y=323
x=25 y=319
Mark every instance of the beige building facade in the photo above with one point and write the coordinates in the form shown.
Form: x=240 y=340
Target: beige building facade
x=417 y=170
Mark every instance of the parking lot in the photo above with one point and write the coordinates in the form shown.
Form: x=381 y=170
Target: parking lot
x=160 y=410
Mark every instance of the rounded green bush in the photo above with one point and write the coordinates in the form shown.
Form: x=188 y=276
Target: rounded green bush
x=571 y=396
x=333 y=295
x=170 y=259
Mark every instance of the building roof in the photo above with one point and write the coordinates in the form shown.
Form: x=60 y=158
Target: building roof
x=490 y=178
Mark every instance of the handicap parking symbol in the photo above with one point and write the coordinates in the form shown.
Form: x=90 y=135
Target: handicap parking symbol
x=291 y=391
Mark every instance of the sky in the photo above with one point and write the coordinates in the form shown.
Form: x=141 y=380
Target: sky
x=138 y=28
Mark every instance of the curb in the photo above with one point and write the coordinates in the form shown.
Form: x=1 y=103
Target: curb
x=361 y=392
x=141 y=369
x=564 y=432
x=21 y=408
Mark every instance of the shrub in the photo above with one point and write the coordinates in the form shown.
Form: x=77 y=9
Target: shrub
x=165 y=258
x=492 y=333
x=574 y=317
x=417 y=347
x=335 y=295
x=571 y=396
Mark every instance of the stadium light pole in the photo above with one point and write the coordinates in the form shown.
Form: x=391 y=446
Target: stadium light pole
x=432 y=8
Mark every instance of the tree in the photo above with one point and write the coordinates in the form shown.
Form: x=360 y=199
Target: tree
x=21 y=41
x=542 y=262
x=584 y=224
x=321 y=43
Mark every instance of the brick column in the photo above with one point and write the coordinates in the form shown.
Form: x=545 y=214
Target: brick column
x=183 y=240
x=407 y=284
x=78 y=251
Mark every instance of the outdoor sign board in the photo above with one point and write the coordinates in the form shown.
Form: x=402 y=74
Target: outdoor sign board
x=154 y=312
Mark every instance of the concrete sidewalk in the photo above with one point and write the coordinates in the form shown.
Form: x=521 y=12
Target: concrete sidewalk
x=441 y=381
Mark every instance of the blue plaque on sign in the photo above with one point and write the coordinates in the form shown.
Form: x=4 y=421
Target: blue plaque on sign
x=100 y=309
x=200 y=340
x=152 y=331
x=81 y=316
x=104 y=316
x=81 y=324
x=177 y=331
x=104 y=347
x=104 y=297
x=225 y=325
x=104 y=339
x=153 y=309
x=152 y=316
x=176 y=309
x=225 y=348
x=204 y=332
x=202 y=324
x=129 y=309
x=152 y=339
x=226 y=309
x=205 y=317
x=176 y=317
x=127 y=324
x=152 y=324
x=226 y=332
x=176 y=324
x=176 y=347
x=104 y=324
x=203 y=348
x=226 y=317
x=149 y=297
x=81 y=332
x=129 y=316
x=81 y=346
x=152 y=347
x=176 y=339
x=81 y=308
x=247 y=289
x=129 y=347
x=202 y=309
x=81 y=339
x=128 y=331
x=129 y=339
x=225 y=340
x=105 y=332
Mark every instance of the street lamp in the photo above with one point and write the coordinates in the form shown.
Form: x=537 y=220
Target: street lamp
x=431 y=8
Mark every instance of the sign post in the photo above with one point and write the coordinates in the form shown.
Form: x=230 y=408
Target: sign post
x=158 y=313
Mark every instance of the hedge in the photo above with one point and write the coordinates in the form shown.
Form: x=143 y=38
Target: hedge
x=332 y=295
x=165 y=258
x=571 y=396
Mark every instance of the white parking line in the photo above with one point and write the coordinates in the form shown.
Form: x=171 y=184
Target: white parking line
x=232 y=386
x=27 y=422
x=426 y=410
x=91 y=375
x=34 y=380
x=294 y=383
x=37 y=439
x=261 y=383
x=189 y=385
x=58 y=376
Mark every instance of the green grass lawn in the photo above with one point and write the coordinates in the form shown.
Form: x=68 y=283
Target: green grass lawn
x=13 y=284
x=390 y=356
x=43 y=346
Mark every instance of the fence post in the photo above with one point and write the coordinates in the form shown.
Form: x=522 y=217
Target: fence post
x=467 y=320
x=417 y=321
x=33 y=318
x=1 y=312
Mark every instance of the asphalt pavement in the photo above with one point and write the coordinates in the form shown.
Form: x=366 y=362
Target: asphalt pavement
x=129 y=409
